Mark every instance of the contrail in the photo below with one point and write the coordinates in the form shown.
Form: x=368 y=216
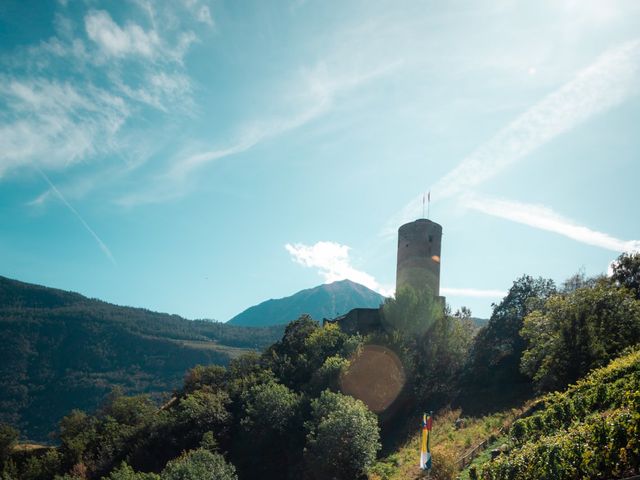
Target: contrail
x=101 y=244
x=544 y=218
x=608 y=81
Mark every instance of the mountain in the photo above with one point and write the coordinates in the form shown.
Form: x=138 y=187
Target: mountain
x=324 y=301
x=479 y=322
x=61 y=350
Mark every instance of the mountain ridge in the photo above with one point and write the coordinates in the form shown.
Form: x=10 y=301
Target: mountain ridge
x=324 y=301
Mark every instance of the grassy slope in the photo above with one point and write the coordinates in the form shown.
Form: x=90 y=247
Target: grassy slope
x=590 y=430
x=558 y=413
x=448 y=444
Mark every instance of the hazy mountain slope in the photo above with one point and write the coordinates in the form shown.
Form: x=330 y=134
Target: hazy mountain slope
x=61 y=350
x=324 y=301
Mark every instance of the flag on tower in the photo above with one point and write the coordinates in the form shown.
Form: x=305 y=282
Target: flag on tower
x=425 y=447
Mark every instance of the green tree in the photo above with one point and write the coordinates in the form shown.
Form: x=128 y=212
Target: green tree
x=328 y=375
x=411 y=312
x=8 y=438
x=494 y=360
x=42 y=467
x=579 y=331
x=209 y=377
x=76 y=432
x=272 y=425
x=626 y=272
x=343 y=438
x=289 y=358
x=125 y=472
x=132 y=411
x=244 y=372
x=200 y=412
x=439 y=357
x=199 y=465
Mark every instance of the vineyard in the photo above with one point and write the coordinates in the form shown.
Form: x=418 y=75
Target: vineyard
x=589 y=431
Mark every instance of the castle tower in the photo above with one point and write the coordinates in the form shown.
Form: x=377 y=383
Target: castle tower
x=418 y=265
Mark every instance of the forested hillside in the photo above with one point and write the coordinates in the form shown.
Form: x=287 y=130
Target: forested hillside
x=61 y=351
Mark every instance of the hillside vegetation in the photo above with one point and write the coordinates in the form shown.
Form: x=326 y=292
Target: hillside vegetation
x=61 y=351
x=591 y=430
x=284 y=414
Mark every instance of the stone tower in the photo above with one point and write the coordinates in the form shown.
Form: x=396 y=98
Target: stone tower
x=419 y=255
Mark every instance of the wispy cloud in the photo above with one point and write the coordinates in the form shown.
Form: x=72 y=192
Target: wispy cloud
x=612 y=78
x=118 y=41
x=95 y=236
x=544 y=218
x=332 y=261
x=320 y=89
x=55 y=124
x=76 y=99
x=200 y=10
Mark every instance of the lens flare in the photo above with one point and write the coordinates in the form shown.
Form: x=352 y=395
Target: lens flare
x=375 y=376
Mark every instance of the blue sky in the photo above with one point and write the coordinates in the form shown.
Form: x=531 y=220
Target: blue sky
x=199 y=157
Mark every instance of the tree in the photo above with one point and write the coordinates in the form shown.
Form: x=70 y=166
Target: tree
x=626 y=272
x=131 y=411
x=439 y=357
x=125 y=472
x=210 y=377
x=8 y=438
x=494 y=359
x=288 y=358
x=411 y=312
x=579 y=331
x=76 y=432
x=328 y=375
x=343 y=438
x=246 y=371
x=272 y=425
x=200 y=412
x=199 y=464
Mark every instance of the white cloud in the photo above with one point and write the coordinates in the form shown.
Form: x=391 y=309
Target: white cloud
x=200 y=11
x=119 y=42
x=472 y=292
x=54 y=116
x=319 y=92
x=544 y=218
x=54 y=124
x=315 y=92
x=204 y=15
x=612 y=78
x=333 y=263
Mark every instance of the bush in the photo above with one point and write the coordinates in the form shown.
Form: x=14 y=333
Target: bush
x=576 y=332
x=199 y=465
x=343 y=438
x=125 y=472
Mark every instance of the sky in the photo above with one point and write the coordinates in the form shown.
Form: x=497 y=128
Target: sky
x=198 y=157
